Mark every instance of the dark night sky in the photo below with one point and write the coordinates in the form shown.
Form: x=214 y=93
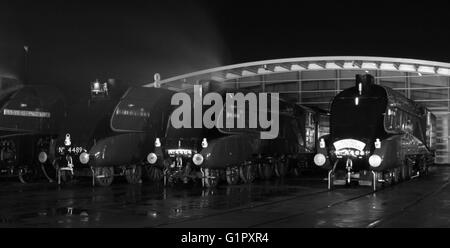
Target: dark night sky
x=73 y=43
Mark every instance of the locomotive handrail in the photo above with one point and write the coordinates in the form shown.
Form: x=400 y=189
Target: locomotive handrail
x=265 y=67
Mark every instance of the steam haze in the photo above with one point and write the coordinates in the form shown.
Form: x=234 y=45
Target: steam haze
x=72 y=44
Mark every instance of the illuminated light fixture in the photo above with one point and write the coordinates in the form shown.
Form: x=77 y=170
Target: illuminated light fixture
x=377 y=144
x=279 y=68
x=247 y=72
x=23 y=105
x=443 y=71
x=359 y=89
x=369 y=65
x=319 y=159
x=356 y=101
x=375 y=160
x=333 y=65
x=388 y=67
x=419 y=73
x=204 y=143
x=42 y=157
x=152 y=158
x=67 y=141
x=427 y=69
x=322 y=143
x=407 y=67
x=390 y=112
x=157 y=142
x=84 y=158
x=197 y=159
x=315 y=66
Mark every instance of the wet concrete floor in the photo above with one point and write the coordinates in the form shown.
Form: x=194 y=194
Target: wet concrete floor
x=292 y=202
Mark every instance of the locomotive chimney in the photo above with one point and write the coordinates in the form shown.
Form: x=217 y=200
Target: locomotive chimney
x=363 y=82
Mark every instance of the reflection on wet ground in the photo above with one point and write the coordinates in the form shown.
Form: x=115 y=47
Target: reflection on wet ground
x=292 y=202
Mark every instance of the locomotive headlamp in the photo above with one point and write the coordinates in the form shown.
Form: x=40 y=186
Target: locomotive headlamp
x=377 y=144
x=152 y=158
x=322 y=143
x=42 y=157
x=375 y=160
x=96 y=86
x=204 y=143
x=157 y=142
x=84 y=158
x=67 y=141
x=319 y=159
x=197 y=159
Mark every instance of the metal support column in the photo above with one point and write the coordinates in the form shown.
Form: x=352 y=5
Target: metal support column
x=299 y=78
x=338 y=82
x=408 y=85
x=448 y=94
x=377 y=77
x=263 y=83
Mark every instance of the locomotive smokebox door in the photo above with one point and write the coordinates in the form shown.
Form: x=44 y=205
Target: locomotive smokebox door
x=363 y=82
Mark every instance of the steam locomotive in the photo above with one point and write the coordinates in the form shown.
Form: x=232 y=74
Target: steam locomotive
x=86 y=122
x=29 y=122
x=377 y=137
x=138 y=119
x=234 y=154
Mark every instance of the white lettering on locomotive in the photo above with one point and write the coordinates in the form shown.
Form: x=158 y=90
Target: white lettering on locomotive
x=26 y=113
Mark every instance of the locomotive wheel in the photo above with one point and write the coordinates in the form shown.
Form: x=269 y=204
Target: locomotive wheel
x=49 y=171
x=154 y=174
x=104 y=176
x=247 y=173
x=281 y=169
x=27 y=175
x=232 y=175
x=211 y=178
x=134 y=174
x=265 y=171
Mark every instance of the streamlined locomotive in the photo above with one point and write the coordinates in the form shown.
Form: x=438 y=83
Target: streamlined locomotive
x=86 y=122
x=137 y=121
x=234 y=154
x=377 y=136
x=29 y=121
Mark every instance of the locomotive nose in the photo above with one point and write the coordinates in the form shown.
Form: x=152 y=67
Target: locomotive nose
x=118 y=150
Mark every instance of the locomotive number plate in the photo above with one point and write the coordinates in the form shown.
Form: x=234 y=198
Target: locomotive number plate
x=75 y=150
x=349 y=143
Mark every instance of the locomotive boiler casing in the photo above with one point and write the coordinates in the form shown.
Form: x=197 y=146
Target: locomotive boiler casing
x=119 y=150
x=137 y=121
x=230 y=150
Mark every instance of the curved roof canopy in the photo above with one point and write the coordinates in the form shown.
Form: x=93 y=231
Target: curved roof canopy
x=251 y=69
